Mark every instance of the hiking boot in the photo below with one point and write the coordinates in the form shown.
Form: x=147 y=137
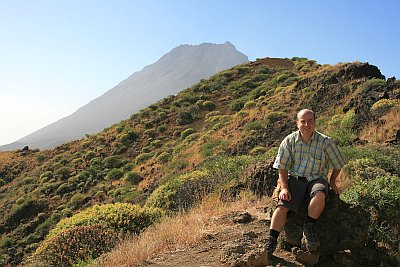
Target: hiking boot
x=310 y=241
x=271 y=246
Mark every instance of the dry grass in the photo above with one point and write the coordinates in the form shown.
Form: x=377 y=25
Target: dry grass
x=174 y=234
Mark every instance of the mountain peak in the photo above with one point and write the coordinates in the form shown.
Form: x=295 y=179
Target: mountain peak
x=177 y=70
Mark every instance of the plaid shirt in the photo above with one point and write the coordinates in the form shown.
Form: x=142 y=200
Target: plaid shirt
x=312 y=160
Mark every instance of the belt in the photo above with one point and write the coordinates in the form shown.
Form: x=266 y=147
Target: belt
x=299 y=178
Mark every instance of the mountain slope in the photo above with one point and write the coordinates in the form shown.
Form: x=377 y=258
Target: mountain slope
x=177 y=150
x=176 y=70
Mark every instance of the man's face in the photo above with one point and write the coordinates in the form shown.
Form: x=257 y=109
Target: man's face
x=306 y=123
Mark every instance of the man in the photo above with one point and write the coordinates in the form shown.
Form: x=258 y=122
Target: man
x=303 y=162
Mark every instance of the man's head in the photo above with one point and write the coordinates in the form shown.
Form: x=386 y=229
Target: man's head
x=305 y=122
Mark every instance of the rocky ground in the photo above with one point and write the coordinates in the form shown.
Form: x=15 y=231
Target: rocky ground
x=240 y=243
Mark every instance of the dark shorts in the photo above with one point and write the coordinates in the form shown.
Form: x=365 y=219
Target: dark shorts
x=301 y=190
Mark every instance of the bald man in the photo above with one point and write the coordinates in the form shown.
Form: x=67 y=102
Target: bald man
x=304 y=160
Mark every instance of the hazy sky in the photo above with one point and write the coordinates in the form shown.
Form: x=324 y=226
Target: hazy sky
x=58 y=55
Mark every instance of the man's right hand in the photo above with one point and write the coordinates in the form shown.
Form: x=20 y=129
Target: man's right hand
x=284 y=194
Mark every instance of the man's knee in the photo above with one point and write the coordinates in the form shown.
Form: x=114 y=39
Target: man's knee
x=319 y=195
x=281 y=209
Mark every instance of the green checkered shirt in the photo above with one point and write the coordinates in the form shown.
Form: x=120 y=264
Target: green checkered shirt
x=312 y=160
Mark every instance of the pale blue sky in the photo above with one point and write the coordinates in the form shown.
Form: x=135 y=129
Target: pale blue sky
x=57 y=55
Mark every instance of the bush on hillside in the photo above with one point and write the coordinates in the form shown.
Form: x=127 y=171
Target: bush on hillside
x=118 y=217
x=114 y=174
x=341 y=128
x=186 y=133
x=164 y=157
x=143 y=157
x=112 y=162
x=76 y=244
x=249 y=104
x=382 y=106
x=63 y=172
x=181 y=192
x=365 y=169
x=208 y=105
x=237 y=104
x=380 y=197
x=387 y=157
x=128 y=137
x=133 y=177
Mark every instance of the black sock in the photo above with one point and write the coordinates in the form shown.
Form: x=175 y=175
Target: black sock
x=274 y=233
x=311 y=220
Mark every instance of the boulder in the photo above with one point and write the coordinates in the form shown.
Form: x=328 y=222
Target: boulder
x=341 y=228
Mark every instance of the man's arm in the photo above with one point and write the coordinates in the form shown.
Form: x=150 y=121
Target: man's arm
x=284 y=194
x=332 y=180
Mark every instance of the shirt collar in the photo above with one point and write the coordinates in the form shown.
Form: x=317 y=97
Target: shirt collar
x=297 y=136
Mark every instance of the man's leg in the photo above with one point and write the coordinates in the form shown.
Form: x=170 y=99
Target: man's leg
x=277 y=223
x=318 y=191
x=297 y=190
x=317 y=205
x=279 y=218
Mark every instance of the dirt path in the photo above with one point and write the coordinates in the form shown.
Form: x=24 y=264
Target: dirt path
x=240 y=243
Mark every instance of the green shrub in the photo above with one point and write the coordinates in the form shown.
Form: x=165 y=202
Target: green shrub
x=46 y=176
x=258 y=150
x=382 y=106
x=150 y=132
x=164 y=157
x=186 y=133
x=214 y=147
x=76 y=244
x=184 y=117
x=191 y=137
x=237 y=104
x=213 y=113
x=28 y=180
x=114 y=174
x=181 y=192
x=208 y=105
x=143 y=157
x=128 y=167
x=77 y=200
x=19 y=201
x=387 y=157
x=65 y=188
x=249 y=104
x=112 y=162
x=255 y=126
x=118 y=217
x=162 y=115
x=365 y=169
x=218 y=126
x=128 y=137
x=156 y=143
x=147 y=124
x=63 y=172
x=275 y=116
x=243 y=113
x=342 y=128
x=162 y=128
x=373 y=85
x=133 y=177
x=380 y=197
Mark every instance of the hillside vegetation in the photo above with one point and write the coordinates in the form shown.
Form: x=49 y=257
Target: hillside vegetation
x=173 y=153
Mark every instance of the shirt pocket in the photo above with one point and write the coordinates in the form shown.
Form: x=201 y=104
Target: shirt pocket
x=316 y=164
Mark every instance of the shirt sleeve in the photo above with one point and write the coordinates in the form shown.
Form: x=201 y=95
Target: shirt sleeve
x=283 y=159
x=334 y=155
